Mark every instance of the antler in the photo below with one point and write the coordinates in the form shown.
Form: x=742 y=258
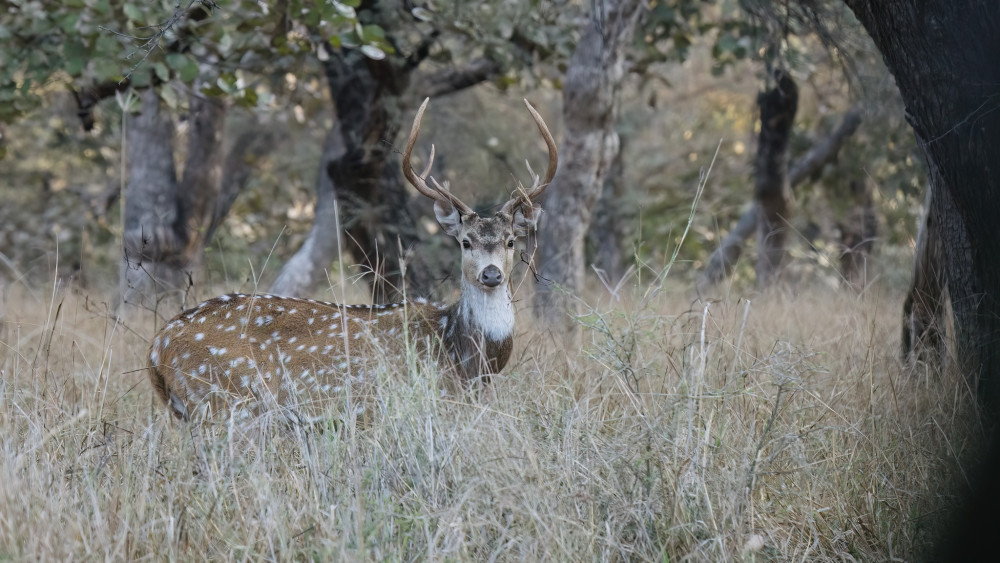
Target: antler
x=438 y=192
x=538 y=185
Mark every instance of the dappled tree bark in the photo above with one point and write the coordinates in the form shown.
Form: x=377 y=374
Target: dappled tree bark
x=858 y=230
x=944 y=56
x=606 y=237
x=777 y=114
x=170 y=219
x=722 y=261
x=590 y=99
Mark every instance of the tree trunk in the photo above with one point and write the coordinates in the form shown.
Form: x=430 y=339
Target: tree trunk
x=722 y=261
x=307 y=267
x=777 y=114
x=359 y=172
x=153 y=260
x=943 y=56
x=606 y=239
x=168 y=221
x=590 y=100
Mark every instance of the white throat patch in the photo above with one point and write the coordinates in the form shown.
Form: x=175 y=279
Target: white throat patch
x=492 y=312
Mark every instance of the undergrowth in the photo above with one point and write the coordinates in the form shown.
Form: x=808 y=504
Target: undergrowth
x=781 y=428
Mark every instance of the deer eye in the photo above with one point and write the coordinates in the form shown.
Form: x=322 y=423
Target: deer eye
x=466 y=244
x=510 y=243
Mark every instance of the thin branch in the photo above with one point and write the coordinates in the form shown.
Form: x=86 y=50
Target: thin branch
x=153 y=41
x=824 y=151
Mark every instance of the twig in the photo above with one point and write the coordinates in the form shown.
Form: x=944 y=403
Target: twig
x=153 y=41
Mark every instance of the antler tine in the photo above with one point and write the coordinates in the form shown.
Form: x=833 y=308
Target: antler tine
x=430 y=162
x=538 y=185
x=459 y=204
x=419 y=182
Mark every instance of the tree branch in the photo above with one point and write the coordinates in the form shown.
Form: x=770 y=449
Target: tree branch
x=248 y=148
x=454 y=79
x=824 y=151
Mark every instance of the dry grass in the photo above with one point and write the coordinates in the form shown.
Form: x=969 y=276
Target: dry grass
x=782 y=429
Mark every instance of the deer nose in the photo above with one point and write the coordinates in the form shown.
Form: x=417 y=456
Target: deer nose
x=491 y=276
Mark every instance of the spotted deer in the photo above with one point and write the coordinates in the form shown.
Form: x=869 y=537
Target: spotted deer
x=240 y=353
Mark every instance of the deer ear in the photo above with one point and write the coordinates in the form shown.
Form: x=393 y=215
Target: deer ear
x=448 y=217
x=526 y=219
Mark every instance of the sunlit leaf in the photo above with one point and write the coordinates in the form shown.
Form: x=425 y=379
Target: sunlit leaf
x=422 y=14
x=373 y=52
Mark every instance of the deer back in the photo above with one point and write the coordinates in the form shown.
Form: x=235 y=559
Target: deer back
x=245 y=352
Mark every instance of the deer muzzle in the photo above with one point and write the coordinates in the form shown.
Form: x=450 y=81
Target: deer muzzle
x=491 y=276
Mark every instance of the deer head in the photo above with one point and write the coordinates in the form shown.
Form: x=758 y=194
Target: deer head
x=487 y=242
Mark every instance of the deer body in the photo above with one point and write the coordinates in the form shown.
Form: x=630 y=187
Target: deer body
x=243 y=352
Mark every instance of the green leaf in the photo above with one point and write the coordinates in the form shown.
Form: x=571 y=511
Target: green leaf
x=107 y=69
x=74 y=57
x=727 y=43
x=185 y=66
x=161 y=70
x=213 y=91
x=67 y=22
x=249 y=98
x=370 y=32
x=134 y=13
x=422 y=14
x=141 y=77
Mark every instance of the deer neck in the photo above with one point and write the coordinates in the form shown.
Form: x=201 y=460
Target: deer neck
x=489 y=314
x=479 y=330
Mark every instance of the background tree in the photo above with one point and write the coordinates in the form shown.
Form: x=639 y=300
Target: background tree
x=590 y=102
x=194 y=55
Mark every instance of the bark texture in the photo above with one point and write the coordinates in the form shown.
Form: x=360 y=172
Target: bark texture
x=778 y=106
x=943 y=56
x=360 y=174
x=590 y=100
x=153 y=258
x=606 y=239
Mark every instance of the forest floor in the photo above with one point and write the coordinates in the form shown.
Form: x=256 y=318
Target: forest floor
x=782 y=428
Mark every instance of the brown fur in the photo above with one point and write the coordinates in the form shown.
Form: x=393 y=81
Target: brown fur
x=264 y=349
